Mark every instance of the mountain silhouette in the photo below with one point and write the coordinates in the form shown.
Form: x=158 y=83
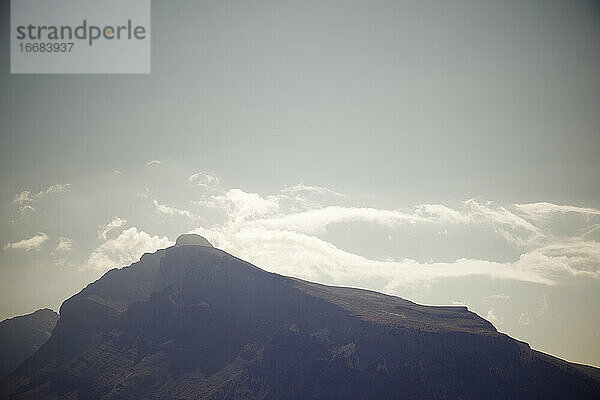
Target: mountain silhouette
x=21 y=336
x=194 y=322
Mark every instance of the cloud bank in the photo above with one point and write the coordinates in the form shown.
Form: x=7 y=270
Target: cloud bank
x=301 y=230
x=286 y=233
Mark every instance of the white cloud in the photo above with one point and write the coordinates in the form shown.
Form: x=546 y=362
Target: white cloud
x=491 y=316
x=441 y=214
x=590 y=231
x=271 y=232
x=26 y=208
x=524 y=319
x=506 y=224
x=171 y=211
x=115 y=223
x=287 y=233
x=302 y=197
x=299 y=214
x=498 y=297
x=574 y=258
x=304 y=190
x=33 y=243
x=64 y=244
x=242 y=206
x=308 y=257
x=58 y=188
x=544 y=210
x=25 y=198
x=204 y=180
x=124 y=249
x=314 y=221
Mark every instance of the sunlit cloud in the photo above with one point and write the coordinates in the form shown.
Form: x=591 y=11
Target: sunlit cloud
x=204 y=180
x=498 y=297
x=544 y=210
x=32 y=243
x=271 y=232
x=25 y=198
x=524 y=319
x=115 y=223
x=491 y=316
x=64 y=244
x=125 y=249
x=171 y=211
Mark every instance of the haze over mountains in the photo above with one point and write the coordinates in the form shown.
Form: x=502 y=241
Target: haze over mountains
x=192 y=321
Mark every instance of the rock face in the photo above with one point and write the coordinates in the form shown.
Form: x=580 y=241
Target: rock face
x=22 y=336
x=191 y=239
x=193 y=322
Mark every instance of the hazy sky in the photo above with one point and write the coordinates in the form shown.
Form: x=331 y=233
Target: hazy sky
x=445 y=152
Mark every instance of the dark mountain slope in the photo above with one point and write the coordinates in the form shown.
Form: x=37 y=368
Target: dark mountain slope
x=21 y=336
x=194 y=322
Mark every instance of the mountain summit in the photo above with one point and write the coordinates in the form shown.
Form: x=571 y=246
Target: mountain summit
x=191 y=239
x=194 y=322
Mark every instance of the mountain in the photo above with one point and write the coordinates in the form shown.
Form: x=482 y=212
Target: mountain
x=21 y=336
x=194 y=322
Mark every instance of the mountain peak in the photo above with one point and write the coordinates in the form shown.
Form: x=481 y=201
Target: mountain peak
x=192 y=239
x=197 y=322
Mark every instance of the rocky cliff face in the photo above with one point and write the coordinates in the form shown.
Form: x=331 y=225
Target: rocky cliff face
x=22 y=336
x=194 y=322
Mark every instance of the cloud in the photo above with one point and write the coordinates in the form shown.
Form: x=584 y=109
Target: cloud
x=288 y=232
x=545 y=305
x=124 y=249
x=171 y=211
x=544 y=210
x=60 y=255
x=498 y=297
x=287 y=211
x=153 y=163
x=284 y=233
x=524 y=319
x=269 y=213
x=242 y=206
x=58 y=188
x=590 y=231
x=491 y=316
x=64 y=244
x=315 y=221
x=513 y=228
x=204 y=180
x=33 y=243
x=302 y=197
x=25 y=198
x=115 y=223
x=575 y=258
x=308 y=257
x=302 y=190
x=26 y=208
